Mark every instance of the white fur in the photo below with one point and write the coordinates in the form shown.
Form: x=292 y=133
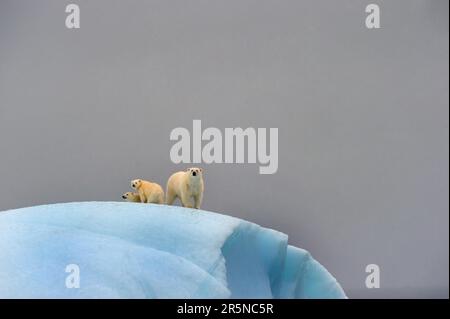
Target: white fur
x=186 y=187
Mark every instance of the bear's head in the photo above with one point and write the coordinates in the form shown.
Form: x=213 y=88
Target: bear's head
x=127 y=195
x=136 y=183
x=195 y=172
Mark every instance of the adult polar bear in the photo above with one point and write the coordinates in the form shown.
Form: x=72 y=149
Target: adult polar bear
x=186 y=185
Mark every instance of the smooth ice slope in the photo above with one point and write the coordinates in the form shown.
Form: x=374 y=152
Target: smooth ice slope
x=128 y=250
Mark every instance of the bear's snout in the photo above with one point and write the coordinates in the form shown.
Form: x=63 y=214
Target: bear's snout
x=124 y=197
x=194 y=174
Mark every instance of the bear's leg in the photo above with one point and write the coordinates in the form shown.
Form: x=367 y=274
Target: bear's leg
x=198 y=200
x=185 y=200
x=142 y=197
x=156 y=199
x=170 y=197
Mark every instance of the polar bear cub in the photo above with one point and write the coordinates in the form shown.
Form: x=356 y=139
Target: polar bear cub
x=148 y=192
x=131 y=197
x=186 y=185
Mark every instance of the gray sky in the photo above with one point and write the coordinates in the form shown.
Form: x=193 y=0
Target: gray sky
x=362 y=118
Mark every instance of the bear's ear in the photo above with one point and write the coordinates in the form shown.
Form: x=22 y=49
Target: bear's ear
x=201 y=170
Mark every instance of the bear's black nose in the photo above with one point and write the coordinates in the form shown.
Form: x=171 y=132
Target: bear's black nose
x=124 y=197
x=194 y=174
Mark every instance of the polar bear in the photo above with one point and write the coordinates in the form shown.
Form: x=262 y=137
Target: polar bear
x=186 y=185
x=148 y=192
x=131 y=197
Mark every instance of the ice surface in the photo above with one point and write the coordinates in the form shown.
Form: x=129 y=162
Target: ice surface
x=129 y=250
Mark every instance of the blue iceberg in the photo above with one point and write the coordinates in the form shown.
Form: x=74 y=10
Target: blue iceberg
x=129 y=250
